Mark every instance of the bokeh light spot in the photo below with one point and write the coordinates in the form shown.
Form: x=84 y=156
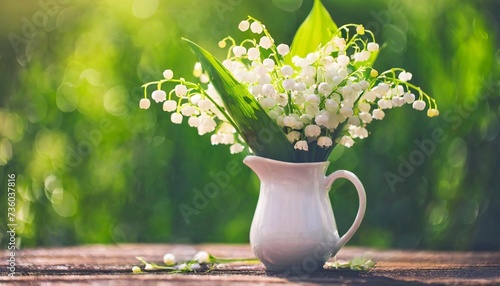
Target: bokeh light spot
x=57 y=196
x=116 y=100
x=438 y=214
x=66 y=206
x=470 y=212
x=144 y=8
x=66 y=20
x=50 y=143
x=92 y=76
x=51 y=183
x=288 y=5
x=5 y=151
x=457 y=153
x=11 y=126
x=395 y=38
x=66 y=97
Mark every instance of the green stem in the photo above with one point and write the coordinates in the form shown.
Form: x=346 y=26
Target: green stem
x=227 y=260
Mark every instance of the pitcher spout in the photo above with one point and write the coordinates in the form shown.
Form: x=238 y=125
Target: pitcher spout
x=257 y=164
x=266 y=168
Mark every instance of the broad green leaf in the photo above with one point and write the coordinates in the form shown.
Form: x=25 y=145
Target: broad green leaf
x=261 y=133
x=317 y=29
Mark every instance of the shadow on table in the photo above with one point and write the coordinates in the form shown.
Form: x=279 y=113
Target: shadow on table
x=340 y=276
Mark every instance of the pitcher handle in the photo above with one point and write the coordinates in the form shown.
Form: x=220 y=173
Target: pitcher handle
x=362 y=202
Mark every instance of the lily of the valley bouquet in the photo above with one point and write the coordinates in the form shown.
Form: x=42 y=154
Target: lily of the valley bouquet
x=292 y=104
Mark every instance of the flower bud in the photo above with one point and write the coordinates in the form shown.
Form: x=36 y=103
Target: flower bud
x=168 y=74
x=432 y=112
x=360 y=29
x=197 y=70
x=202 y=257
x=169 y=259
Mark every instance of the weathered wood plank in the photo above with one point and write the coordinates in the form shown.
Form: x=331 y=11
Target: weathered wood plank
x=111 y=265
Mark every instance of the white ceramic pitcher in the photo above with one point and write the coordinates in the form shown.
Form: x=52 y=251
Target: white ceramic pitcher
x=294 y=227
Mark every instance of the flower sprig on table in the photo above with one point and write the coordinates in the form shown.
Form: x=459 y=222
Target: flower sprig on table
x=203 y=261
x=326 y=97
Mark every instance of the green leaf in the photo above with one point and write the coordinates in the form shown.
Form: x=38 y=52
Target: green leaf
x=261 y=133
x=317 y=29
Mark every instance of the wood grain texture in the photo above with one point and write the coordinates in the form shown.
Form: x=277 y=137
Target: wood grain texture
x=111 y=265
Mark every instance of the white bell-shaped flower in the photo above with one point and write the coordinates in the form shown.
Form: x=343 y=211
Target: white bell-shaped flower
x=236 y=148
x=256 y=28
x=176 y=118
x=169 y=105
x=144 y=103
x=325 y=88
x=312 y=131
x=293 y=136
x=180 y=90
x=283 y=49
x=266 y=42
x=168 y=74
x=346 y=141
x=378 y=114
x=244 y=25
x=372 y=47
x=301 y=145
x=419 y=105
x=325 y=141
x=253 y=54
x=409 y=98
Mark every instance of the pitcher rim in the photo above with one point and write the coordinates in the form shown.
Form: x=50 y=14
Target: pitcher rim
x=311 y=164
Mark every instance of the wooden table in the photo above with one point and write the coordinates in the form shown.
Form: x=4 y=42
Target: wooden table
x=112 y=264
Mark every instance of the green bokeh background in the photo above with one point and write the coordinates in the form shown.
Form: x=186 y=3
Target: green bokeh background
x=93 y=168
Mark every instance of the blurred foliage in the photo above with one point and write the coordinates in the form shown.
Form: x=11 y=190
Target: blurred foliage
x=94 y=168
